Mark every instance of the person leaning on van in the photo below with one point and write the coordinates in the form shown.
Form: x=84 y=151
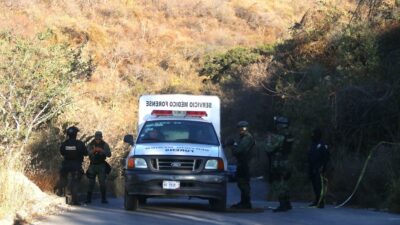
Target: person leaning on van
x=98 y=151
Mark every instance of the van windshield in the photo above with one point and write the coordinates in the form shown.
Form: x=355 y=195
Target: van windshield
x=178 y=131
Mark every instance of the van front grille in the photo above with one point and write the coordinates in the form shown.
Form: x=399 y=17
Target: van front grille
x=171 y=164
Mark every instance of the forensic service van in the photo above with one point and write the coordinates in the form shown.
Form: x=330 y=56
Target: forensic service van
x=177 y=151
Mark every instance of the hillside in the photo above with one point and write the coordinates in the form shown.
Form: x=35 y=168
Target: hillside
x=146 y=46
x=129 y=48
x=338 y=72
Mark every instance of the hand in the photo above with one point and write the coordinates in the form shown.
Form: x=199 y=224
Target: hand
x=97 y=150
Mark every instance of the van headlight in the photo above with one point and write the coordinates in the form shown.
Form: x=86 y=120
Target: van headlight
x=138 y=163
x=214 y=164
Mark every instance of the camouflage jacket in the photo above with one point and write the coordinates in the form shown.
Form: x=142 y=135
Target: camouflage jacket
x=242 y=150
x=278 y=149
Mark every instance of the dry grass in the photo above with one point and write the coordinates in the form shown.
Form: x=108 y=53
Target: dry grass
x=19 y=197
x=10 y=195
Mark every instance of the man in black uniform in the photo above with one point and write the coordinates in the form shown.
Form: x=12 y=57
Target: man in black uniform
x=242 y=152
x=318 y=157
x=73 y=152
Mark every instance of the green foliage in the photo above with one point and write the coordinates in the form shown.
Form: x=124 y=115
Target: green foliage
x=222 y=67
x=358 y=54
x=340 y=77
x=344 y=86
x=264 y=50
x=336 y=87
x=35 y=76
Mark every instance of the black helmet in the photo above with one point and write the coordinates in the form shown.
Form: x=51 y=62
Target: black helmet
x=72 y=131
x=281 y=121
x=242 y=124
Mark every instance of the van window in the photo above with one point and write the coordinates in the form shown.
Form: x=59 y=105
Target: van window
x=178 y=131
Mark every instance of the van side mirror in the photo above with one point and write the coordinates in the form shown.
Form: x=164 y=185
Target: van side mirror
x=129 y=139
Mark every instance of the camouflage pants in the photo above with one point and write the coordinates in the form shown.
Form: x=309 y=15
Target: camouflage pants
x=279 y=189
x=279 y=186
x=99 y=171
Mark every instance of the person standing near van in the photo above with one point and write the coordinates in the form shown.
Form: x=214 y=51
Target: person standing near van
x=278 y=147
x=242 y=152
x=98 y=151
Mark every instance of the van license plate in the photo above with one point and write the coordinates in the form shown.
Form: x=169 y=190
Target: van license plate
x=171 y=185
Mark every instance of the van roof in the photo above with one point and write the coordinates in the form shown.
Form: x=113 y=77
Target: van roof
x=208 y=104
x=186 y=118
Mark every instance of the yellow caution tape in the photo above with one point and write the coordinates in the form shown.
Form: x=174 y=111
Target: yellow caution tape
x=363 y=170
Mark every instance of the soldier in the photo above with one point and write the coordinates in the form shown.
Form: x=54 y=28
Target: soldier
x=73 y=152
x=278 y=147
x=241 y=151
x=318 y=157
x=98 y=151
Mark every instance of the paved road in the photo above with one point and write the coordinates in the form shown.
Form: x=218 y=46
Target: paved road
x=183 y=211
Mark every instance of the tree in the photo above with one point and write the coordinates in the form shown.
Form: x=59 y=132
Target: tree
x=35 y=76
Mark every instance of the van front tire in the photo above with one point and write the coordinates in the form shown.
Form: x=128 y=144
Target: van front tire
x=218 y=204
x=131 y=202
x=142 y=200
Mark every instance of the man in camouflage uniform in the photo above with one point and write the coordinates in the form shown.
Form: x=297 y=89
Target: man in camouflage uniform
x=98 y=151
x=242 y=152
x=278 y=147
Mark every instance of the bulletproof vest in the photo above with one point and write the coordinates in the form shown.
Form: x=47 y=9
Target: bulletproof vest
x=98 y=158
x=72 y=151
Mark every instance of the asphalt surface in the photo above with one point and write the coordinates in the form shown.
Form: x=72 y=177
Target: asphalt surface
x=196 y=211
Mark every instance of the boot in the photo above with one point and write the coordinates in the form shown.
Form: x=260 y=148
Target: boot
x=89 y=197
x=321 y=204
x=283 y=206
x=103 y=197
x=246 y=205
x=236 y=205
x=288 y=204
x=241 y=205
x=313 y=204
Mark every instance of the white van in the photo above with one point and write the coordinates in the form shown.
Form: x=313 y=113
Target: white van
x=177 y=152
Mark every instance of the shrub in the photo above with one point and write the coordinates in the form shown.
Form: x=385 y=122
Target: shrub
x=222 y=67
x=341 y=78
x=35 y=76
x=338 y=80
x=34 y=80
